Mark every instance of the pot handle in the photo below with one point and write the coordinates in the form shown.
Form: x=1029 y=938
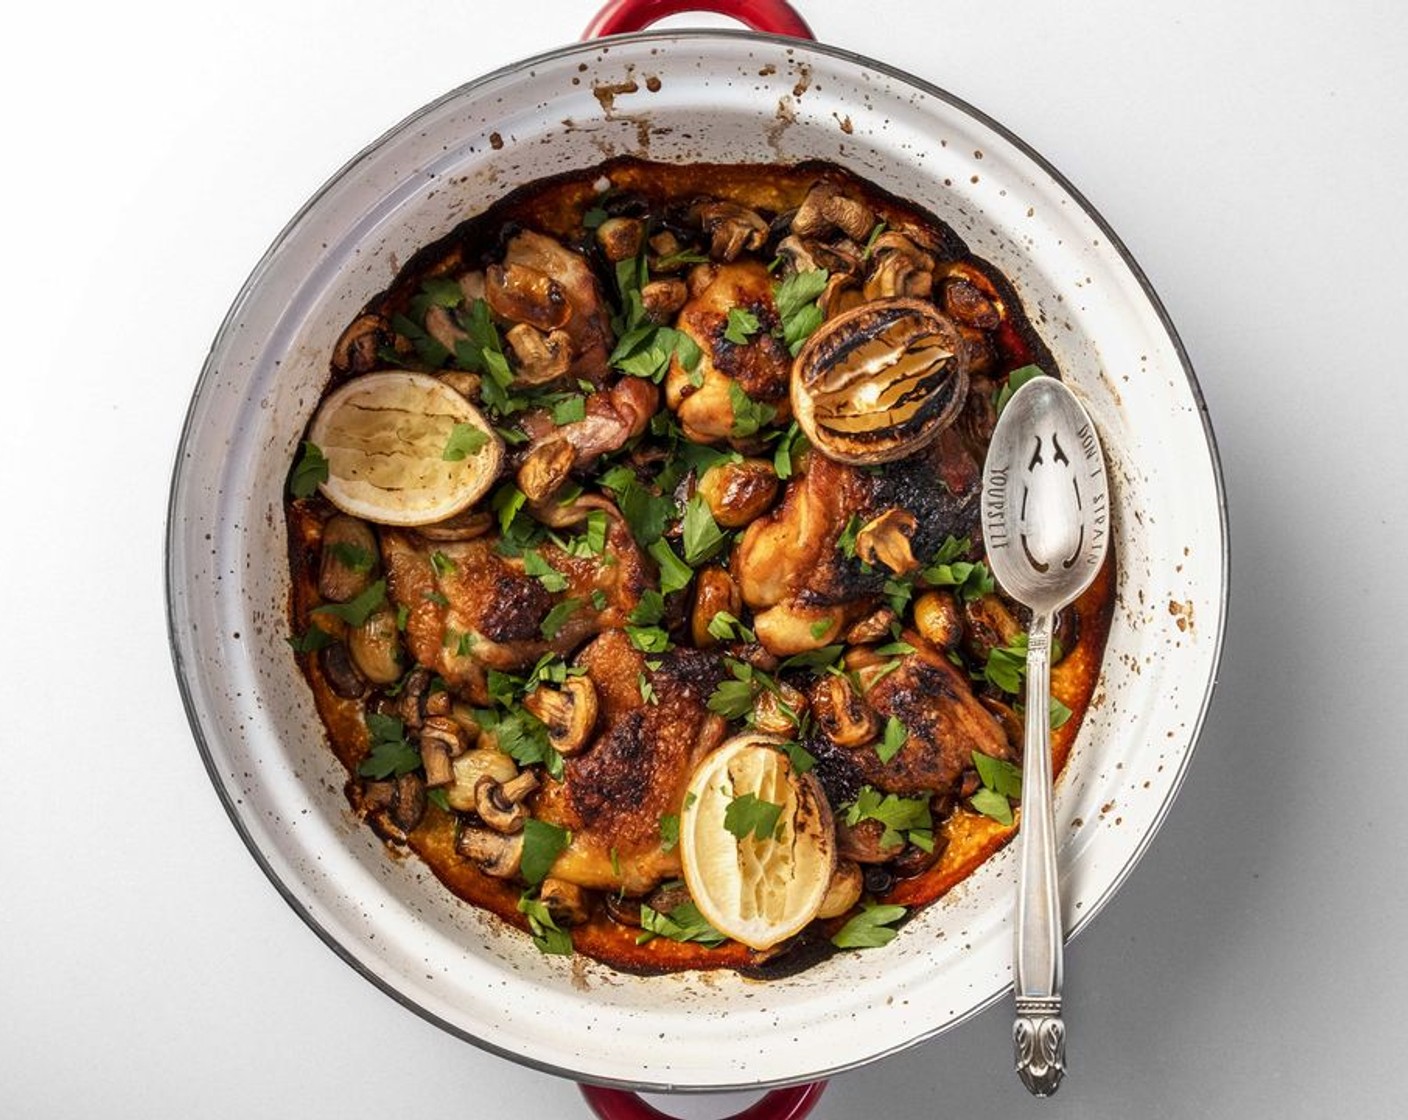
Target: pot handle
x=775 y=17
x=781 y=1104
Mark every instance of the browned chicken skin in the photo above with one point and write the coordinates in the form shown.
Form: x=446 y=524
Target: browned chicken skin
x=760 y=366
x=612 y=796
x=477 y=609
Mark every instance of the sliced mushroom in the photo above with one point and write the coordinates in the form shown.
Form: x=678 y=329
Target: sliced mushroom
x=662 y=298
x=349 y=559
x=937 y=617
x=358 y=350
x=623 y=910
x=470 y=767
x=495 y=853
x=738 y=493
x=915 y=860
x=988 y=624
x=825 y=209
x=540 y=357
x=472 y=285
x=375 y=647
x=780 y=712
x=340 y=673
x=842 y=714
x=885 y=540
x=410 y=703
x=620 y=238
x=441 y=326
x=500 y=804
x=569 y=713
x=795 y=255
x=461 y=527
x=863 y=842
x=441 y=740
x=844 y=890
x=668 y=250
x=714 y=592
x=732 y=229
x=841 y=294
x=546 y=468
x=408 y=802
x=1007 y=719
x=520 y=293
x=568 y=903
x=872 y=628
x=465 y=384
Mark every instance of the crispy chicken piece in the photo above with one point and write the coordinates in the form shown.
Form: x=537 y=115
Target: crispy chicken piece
x=802 y=589
x=945 y=721
x=475 y=609
x=585 y=318
x=612 y=795
x=759 y=367
x=613 y=416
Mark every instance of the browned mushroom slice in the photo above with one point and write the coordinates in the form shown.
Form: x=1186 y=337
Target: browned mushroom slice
x=570 y=713
x=587 y=322
x=620 y=238
x=522 y=294
x=540 y=357
x=738 y=493
x=885 y=540
x=842 y=714
x=732 y=228
x=350 y=558
x=500 y=804
x=495 y=853
x=825 y=209
x=880 y=382
x=358 y=350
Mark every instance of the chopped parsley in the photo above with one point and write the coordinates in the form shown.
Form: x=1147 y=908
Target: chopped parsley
x=675 y=574
x=702 y=536
x=669 y=831
x=870 y=928
x=556 y=618
x=351 y=556
x=1015 y=380
x=902 y=816
x=465 y=440
x=683 y=923
x=548 y=936
x=311 y=640
x=970 y=580
x=749 y=815
x=390 y=753
x=542 y=844
x=1002 y=784
x=356 y=611
x=896 y=734
x=796 y=306
x=310 y=470
x=748 y=415
x=742 y=325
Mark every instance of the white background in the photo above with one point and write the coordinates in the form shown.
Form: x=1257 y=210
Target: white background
x=1252 y=156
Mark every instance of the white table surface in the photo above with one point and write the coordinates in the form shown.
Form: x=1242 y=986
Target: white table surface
x=1254 y=157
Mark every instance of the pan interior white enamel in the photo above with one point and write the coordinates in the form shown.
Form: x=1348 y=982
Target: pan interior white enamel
x=720 y=97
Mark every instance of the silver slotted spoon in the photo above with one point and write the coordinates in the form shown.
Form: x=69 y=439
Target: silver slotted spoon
x=1046 y=528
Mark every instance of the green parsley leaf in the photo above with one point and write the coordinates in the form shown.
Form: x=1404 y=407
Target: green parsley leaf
x=895 y=649
x=1059 y=714
x=357 y=611
x=465 y=440
x=741 y=326
x=427 y=348
x=351 y=556
x=870 y=928
x=647 y=692
x=650 y=609
x=390 y=753
x=443 y=292
x=702 y=535
x=898 y=593
x=748 y=815
x=870 y=241
x=1015 y=380
x=801 y=759
x=816 y=660
x=896 y=734
x=547 y=935
x=403 y=616
x=311 y=640
x=648 y=639
x=645 y=513
x=726 y=628
x=1007 y=665
x=675 y=574
x=748 y=415
x=684 y=256
x=846 y=542
x=594 y=217
x=992 y=804
x=534 y=565
x=792 y=444
x=558 y=616
x=310 y=470
x=542 y=844
x=683 y=923
x=507 y=501
x=794 y=295
x=821 y=627
x=669 y=831
x=998 y=774
x=439 y=798
x=897 y=814
x=442 y=564
x=570 y=409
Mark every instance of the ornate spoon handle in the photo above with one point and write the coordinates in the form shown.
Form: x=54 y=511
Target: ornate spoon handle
x=1039 y=1035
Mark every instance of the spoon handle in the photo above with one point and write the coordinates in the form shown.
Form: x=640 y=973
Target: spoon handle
x=1039 y=1034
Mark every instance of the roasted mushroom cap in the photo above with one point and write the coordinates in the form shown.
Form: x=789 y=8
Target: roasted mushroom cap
x=844 y=891
x=841 y=714
x=570 y=713
x=881 y=381
x=496 y=853
x=500 y=804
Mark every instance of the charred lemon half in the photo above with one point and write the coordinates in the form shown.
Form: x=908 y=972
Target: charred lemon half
x=880 y=381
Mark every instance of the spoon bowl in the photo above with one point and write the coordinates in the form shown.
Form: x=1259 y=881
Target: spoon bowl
x=1046 y=530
